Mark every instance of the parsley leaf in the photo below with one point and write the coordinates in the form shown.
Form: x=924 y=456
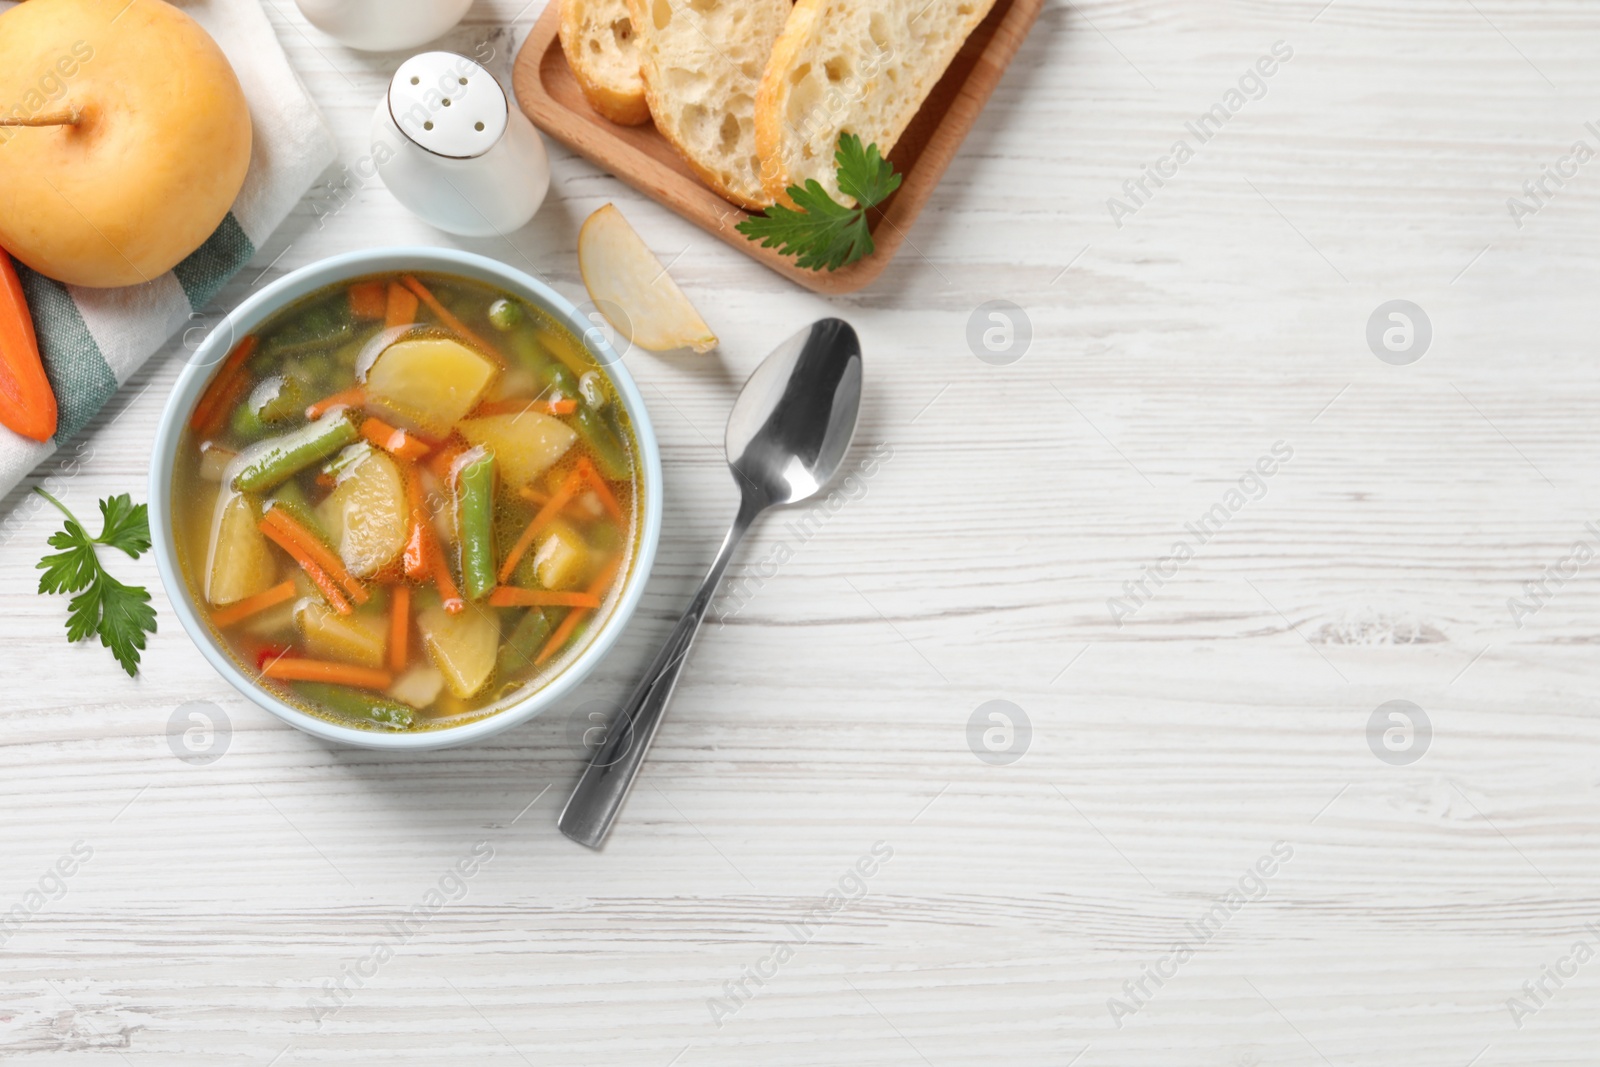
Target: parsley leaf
x=119 y=614
x=824 y=234
x=125 y=525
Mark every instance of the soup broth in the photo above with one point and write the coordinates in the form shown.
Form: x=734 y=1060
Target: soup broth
x=406 y=501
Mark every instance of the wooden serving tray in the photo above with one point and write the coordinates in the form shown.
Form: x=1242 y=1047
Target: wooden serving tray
x=549 y=94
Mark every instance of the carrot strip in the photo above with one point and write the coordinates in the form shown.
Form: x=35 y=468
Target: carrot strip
x=416 y=558
x=393 y=440
x=423 y=556
x=443 y=461
x=451 y=323
x=327 y=586
x=368 y=300
x=413 y=557
x=27 y=403
x=318 y=552
x=399 y=627
x=597 y=482
x=252 y=605
x=517 y=406
x=299 y=669
x=400 y=308
x=352 y=397
x=224 y=391
x=449 y=595
x=563 y=632
x=540 y=521
x=510 y=596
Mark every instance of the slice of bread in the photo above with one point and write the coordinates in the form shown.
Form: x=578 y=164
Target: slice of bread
x=702 y=61
x=846 y=66
x=603 y=52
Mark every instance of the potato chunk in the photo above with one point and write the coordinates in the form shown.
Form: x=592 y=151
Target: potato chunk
x=240 y=561
x=562 y=559
x=524 y=445
x=462 y=646
x=367 y=512
x=361 y=638
x=430 y=381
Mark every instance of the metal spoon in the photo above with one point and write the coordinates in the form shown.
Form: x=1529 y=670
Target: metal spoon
x=786 y=437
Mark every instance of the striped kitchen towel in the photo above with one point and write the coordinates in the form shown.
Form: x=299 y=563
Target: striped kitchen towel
x=92 y=340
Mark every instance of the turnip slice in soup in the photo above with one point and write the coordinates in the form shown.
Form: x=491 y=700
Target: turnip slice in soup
x=367 y=512
x=429 y=381
x=239 y=561
x=462 y=646
x=524 y=444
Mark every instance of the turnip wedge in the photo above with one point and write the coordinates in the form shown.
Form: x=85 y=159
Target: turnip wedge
x=627 y=282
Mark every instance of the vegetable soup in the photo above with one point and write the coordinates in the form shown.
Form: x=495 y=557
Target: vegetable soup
x=407 y=500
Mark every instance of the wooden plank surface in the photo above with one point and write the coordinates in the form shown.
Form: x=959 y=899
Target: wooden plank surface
x=1006 y=505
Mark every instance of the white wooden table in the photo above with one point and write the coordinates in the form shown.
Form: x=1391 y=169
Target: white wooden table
x=1024 y=903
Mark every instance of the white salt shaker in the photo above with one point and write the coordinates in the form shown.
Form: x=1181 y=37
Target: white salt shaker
x=383 y=25
x=450 y=147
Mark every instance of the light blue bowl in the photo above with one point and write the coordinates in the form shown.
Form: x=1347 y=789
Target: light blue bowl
x=246 y=318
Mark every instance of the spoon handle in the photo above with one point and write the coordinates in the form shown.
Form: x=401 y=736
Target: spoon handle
x=599 y=794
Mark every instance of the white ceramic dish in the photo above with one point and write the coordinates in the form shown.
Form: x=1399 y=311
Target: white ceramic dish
x=246 y=318
x=383 y=25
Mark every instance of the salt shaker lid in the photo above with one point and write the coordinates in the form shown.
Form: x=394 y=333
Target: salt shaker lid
x=448 y=104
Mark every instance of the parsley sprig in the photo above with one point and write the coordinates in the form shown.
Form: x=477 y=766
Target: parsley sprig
x=823 y=233
x=120 y=614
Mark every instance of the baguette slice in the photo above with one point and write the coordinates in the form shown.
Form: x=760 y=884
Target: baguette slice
x=848 y=67
x=702 y=61
x=603 y=52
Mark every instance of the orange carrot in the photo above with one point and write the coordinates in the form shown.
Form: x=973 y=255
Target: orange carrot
x=449 y=595
x=392 y=440
x=453 y=324
x=352 y=397
x=312 y=546
x=399 y=627
x=225 y=389
x=563 y=632
x=252 y=605
x=510 y=596
x=27 y=403
x=550 y=510
x=565 y=406
x=416 y=557
x=443 y=461
x=597 y=482
x=327 y=586
x=299 y=669
x=423 y=556
x=400 y=307
x=368 y=300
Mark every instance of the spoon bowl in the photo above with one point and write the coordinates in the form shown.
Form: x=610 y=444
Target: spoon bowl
x=787 y=435
x=795 y=416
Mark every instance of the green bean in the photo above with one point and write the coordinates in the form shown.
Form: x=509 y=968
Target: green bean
x=246 y=424
x=527 y=637
x=380 y=711
x=475 y=520
x=603 y=441
x=330 y=338
x=286 y=456
x=280 y=398
x=274 y=399
x=529 y=352
x=562 y=380
x=505 y=314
